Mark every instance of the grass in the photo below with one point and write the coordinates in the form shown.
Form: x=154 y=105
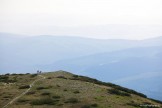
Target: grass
x=92 y=80
x=43 y=101
x=10 y=88
x=62 y=89
x=30 y=93
x=7 y=79
x=22 y=100
x=46 y=93
x=90 y=106
x=56 y=97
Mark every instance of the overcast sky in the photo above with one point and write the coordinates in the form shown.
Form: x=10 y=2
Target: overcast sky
x=33 y=16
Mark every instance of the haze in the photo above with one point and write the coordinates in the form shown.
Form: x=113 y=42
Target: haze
x=128 y=19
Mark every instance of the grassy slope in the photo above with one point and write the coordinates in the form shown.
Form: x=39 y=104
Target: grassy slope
x=66 y=92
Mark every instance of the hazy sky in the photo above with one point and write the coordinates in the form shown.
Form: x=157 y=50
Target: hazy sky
x=32 y=16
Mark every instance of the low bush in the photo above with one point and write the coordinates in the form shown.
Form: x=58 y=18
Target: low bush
x=133 y=104
x=75 y=76
x=20 y=74
x=58 y=85
x=72 y=100
x=7 y=96
x=56 y=97
x=7 y=74
x=130 y=91
x=117 y=92
x=13 y=74
x=33 y=75
x=76 y=91
x=148 y=103
x=60 y=104
x=158 y=101
x=65 y=90
x=40 y=88
x=46 y=93
x=86 y=106
x=24 y=87
x=42 y=101
x=30 y=93
x=94 y=105
x=63 y=77
x=4 y=78
x=49 y=78
x=90 y=106
x=22 y=100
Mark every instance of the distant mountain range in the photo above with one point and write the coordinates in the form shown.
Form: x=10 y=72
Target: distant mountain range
x=22 y=53
x=138 y=68
x=132 y=63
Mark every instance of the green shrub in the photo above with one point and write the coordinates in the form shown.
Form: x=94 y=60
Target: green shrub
x=49 y=78
x=13 y=74
x=56 y=97
x=72 y=100
x=90 y=106
x=30 y=93
x=148 y=103
x=63 y=77
x=7 y=96
x=158 y=101
x=133 y=104
x=40 y=88
x=20 y=74
x=46 y=93
x=130 y=91
x=86 y=106
x=76 y=91
x=4 y=78
x=42 y=101
x=117 y=92
x=65 y=90
x=22 y=100
x=94 y=105
x=75 y=76
x=7 y=74
x=60 y=104
x=33 y=75
x=24 y=87
x=58 y=85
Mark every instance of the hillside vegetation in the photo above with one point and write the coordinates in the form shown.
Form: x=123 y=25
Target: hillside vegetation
x=65 y=90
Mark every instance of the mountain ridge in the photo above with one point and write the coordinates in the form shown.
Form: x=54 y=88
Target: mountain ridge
x=18 y=52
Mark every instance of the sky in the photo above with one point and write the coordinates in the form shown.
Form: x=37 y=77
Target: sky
x=36 y=17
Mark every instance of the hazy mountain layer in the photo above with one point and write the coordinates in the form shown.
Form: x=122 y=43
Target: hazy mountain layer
x=23 y=54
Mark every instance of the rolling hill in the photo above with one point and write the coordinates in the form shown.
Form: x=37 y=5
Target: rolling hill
x=66 y=90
